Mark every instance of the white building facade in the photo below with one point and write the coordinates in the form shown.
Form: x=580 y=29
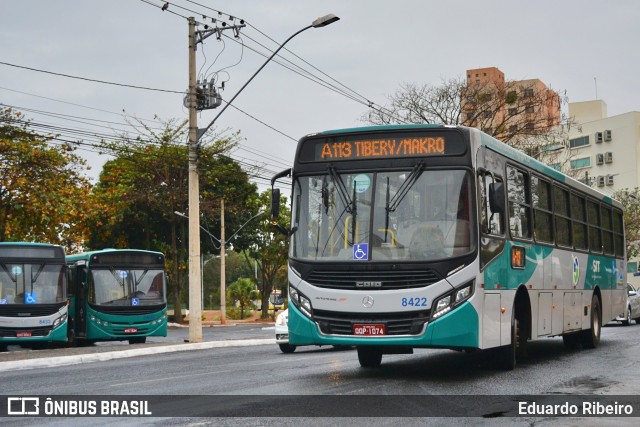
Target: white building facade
x=603 y=150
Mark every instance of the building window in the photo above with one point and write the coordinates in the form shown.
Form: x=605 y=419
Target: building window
x=528 y=93
x=528 y=126
x=529 y=109
x=583 y=162
x=513 y=111
x=579 y=142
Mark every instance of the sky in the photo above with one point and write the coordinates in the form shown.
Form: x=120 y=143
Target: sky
x=586 y=49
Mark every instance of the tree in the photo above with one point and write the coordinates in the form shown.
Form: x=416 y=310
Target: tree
x=522 y=114
x=244 y=292
x=269 y=249
x=142 y=188
x=43 y=189
x=630 y=200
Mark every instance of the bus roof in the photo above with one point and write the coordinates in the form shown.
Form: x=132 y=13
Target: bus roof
x=88 y=255
x=379 y=128
x=31 y=250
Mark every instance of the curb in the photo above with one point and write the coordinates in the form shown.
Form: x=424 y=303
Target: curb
x=49 y=362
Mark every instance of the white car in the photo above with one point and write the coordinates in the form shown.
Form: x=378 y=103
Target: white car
x=633 y=307
x=282 y=332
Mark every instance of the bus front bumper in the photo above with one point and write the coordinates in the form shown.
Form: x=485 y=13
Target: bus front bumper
x=456 y=329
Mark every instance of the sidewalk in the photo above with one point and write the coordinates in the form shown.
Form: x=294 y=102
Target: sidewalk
x=212 y=318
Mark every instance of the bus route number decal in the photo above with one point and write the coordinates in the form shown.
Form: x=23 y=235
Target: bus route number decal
x=414 y=302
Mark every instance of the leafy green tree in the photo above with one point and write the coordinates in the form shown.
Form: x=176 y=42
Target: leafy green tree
x=147 y=182
x=269 y=248
x=244 y=292
x=630 y=200
x=43 y=189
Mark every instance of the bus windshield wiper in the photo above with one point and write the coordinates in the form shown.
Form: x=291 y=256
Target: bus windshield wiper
x=342 y=190
x=393 y=204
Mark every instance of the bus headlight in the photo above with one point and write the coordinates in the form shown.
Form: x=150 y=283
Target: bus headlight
x=293 y=295
x=305 y=305
x=463 y=294
x=60 y=320
x=300 y=301
x=442 y=306
x=452 y=299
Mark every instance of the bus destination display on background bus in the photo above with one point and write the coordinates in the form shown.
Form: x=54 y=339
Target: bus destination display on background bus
x=376 y=147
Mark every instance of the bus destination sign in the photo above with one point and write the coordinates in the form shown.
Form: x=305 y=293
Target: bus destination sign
x=394 y=146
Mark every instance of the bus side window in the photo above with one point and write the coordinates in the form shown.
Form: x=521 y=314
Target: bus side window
x=491 y=222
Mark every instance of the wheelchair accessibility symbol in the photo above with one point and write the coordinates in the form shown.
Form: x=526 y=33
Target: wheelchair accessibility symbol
x=30 y=298
x=135 y=301
x=361 y=252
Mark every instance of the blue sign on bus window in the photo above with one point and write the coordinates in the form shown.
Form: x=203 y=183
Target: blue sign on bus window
x=135 y=301
x=30 y=298
x=360 y=251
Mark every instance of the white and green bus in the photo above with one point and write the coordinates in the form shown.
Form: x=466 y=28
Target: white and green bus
x=431 y=236
x=33 y=294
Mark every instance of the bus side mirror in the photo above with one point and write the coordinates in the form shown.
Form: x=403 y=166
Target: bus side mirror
x=275 y=204
x=496 y=197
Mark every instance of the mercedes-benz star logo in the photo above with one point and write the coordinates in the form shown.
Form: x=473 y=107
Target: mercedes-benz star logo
x=367 y=301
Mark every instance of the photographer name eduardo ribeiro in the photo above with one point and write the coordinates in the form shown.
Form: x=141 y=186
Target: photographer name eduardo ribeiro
x=34 y=406
x=584 y=409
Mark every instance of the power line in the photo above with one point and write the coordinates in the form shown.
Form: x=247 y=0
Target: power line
x=92 y=80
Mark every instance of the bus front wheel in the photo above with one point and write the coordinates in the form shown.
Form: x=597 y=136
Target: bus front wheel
x=369 y=357
x=591 y=337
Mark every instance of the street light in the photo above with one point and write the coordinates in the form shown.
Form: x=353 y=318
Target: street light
x=195 y=282
x=322 y=21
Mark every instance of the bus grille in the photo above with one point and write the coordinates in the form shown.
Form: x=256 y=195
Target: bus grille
x=29 y=310
x=35 y=332
x=334 y=323
x=367 y=280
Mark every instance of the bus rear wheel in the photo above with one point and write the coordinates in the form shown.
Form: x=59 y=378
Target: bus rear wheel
x=591 y=336
x=369 y=357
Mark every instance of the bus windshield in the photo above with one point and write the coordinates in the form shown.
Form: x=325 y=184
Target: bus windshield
x=408 y=215
x=127 y=287
x=32 y=283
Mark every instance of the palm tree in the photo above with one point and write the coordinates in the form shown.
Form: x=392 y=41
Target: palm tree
x=243 y=290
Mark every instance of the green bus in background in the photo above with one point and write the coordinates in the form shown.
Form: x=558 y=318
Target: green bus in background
x=116 y=295
x=33 y=294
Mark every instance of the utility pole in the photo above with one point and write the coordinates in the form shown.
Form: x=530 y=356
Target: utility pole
x=223 y=291
x=195 y=313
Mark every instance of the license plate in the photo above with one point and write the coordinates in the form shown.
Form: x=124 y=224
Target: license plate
x=369 y=330
x=130 y=330
x=23 y=334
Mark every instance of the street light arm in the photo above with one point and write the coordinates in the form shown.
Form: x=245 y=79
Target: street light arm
x=201 y=133
x=201 y=227
x=242 y=226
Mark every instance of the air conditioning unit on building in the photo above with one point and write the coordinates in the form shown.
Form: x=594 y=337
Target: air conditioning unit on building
x=608 y=157
x=599 y=159
x=609 y=179
x=607 y=135
x=601 y=180
x=599 y=137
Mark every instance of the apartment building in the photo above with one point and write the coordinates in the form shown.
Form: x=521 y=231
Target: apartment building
x=602 y=151
x=506 y=108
